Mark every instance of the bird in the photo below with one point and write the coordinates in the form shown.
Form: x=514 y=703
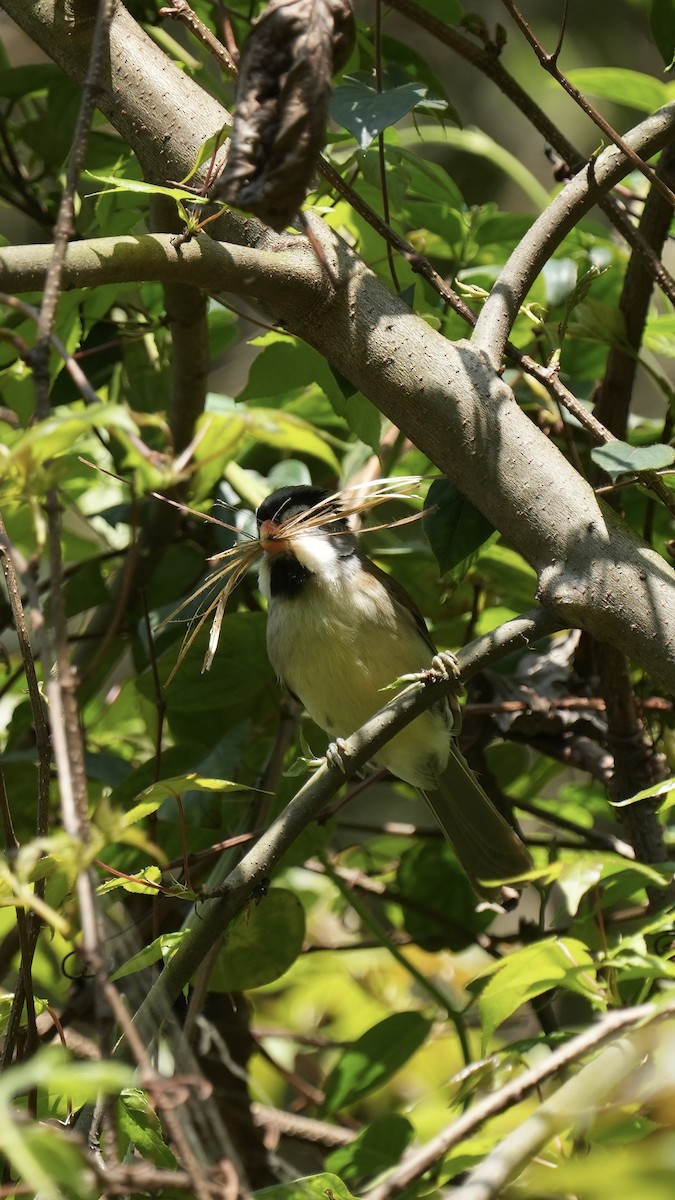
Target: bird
x=339 y=631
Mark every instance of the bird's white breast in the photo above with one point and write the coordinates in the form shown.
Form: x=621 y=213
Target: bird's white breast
x=343 y=640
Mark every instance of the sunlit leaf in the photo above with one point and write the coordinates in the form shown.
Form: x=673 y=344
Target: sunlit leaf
x=6 y=1003
x=155 y=795
x=139 y=1124
x=312 y=1187
x=162 y=949
x=118 y=184
x=286 y=431
x=622 y=86
x=531 y=971
x=142 y=882
x=655 y=790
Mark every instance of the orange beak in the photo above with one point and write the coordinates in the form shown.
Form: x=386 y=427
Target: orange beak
x=269 y=537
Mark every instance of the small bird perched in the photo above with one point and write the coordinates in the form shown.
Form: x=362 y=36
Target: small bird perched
x=339 y=631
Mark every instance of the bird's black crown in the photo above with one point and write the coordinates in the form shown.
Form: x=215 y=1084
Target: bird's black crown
x=275 y=506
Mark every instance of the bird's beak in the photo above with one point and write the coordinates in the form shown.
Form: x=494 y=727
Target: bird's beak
x=270 y=540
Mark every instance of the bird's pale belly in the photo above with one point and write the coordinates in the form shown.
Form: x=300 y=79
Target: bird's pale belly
x=341 y=682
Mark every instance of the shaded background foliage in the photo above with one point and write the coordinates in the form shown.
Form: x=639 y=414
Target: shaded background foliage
x=358 y=989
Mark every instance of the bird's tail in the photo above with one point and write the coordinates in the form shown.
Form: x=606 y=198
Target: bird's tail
x=485 y=844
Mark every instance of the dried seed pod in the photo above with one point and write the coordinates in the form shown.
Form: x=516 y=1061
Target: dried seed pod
x=282 y=105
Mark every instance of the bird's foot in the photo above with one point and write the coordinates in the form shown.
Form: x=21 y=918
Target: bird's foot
x=339 y=756
x=444 y=667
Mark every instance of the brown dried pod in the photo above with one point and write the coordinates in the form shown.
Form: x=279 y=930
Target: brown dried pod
x=283 y=95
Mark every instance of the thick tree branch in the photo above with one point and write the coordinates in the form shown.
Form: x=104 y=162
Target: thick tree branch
x=581 y=193
x=289 y=268
x=446 y=398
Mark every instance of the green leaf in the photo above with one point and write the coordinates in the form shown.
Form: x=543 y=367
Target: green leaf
x=57 y=434
x=656 y=789
x=372 y=1060
x=619 y=458
x=239 y=685
x=622 y=1172
x=575 y=879
x=6 y=1003
x=455 y=529
x=601 y=322
x=47 y=1162
x=139 y=1124
x=365 y=112
x=659 y=334
x=223 y=328
x=208 y=148
x=475 y=142
x=293 y=376
x=531 y=971
x=622 y=880
x=286 y=431
x=162 y=948
x=662 y=23
x=141 y=882
x=360 y=414
x=18 y=83
x=312 y=1187
x=262 y=944
x=378 y=1147
x=87 y=1079
x=621 y=86
x=578 y=294
x=118 y=184
x=165 y=789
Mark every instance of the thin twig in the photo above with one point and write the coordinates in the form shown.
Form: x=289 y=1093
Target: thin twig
x=64 y=227
x=594 y=837
x=380 y=142
x=29 y=927
x=550 y=64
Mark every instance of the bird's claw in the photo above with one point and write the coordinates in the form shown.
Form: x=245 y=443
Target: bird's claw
x=444 y=668
x=338 y=755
